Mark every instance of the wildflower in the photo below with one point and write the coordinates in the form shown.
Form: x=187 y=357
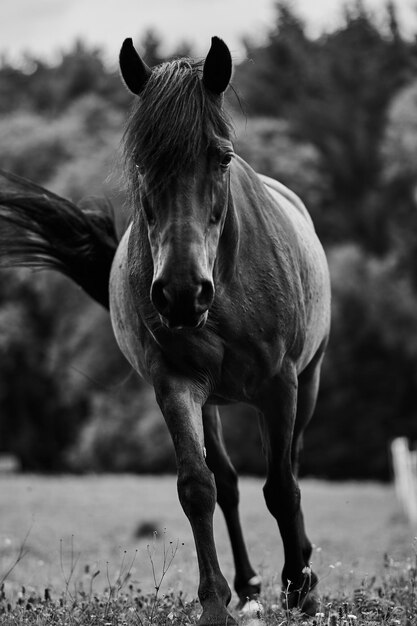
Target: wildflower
x=252 y=607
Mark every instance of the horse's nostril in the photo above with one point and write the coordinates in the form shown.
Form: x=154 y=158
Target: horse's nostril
x=160 y=297
x=205 y=294
x=167 y=295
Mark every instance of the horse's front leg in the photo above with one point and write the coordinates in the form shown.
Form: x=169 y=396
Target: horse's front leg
x=197 y=494
x=282 y=493
x=247 y=581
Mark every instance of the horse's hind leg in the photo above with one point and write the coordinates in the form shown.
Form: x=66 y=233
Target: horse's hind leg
x=308 y=387
x=282 y=494
x=247 y=582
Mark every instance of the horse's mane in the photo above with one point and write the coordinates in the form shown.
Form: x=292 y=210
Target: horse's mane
x=172 y=120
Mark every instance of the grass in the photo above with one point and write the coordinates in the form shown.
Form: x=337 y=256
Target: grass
x=70 y=554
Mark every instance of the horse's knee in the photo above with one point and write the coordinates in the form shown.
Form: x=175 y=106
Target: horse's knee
x=196 y=491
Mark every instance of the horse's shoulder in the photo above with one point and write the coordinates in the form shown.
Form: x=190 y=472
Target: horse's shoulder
x=277 y=190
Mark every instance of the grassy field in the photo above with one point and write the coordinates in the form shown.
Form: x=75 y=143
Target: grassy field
x=73 y=527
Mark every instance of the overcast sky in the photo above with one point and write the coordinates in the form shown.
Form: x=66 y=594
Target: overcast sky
x=46 y=26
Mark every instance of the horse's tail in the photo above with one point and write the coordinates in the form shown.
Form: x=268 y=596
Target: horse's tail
x=42 y=230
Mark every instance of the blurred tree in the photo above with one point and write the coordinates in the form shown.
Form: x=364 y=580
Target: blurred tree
x=125 y=433
x=150 y=48
x=38 y=420
x=399 y=179
x=268 y=145
x=183 y=49
x=335 y=91
x=13 y=87
x=275 y=76
x=57 y=352
x=31 y=146
x=369 y=378
x=49 y=89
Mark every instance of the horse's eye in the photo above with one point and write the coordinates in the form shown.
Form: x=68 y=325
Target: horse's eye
x=225 y=162
x=215 y=217
x=139 y=169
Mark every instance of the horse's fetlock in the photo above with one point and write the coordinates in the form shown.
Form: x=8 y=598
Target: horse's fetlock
x=218 y=594
x=307 y=552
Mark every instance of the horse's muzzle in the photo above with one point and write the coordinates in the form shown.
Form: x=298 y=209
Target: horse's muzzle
x=182 y=308
x=199 y=323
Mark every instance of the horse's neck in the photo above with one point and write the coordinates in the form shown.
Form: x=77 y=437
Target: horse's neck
x=266 y=210
x=246 y=194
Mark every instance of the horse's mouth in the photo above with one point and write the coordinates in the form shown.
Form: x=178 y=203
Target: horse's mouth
x=189 y=324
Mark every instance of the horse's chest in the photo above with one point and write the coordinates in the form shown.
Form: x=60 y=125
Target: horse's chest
x=245 y=368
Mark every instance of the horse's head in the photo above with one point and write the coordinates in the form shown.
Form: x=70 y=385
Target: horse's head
x=178 y=152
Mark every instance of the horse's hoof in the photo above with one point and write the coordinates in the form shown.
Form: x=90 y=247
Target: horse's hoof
x=304 y=597
x=249 y=591
x=306 y=603
x=217 y=619
x=310 y=605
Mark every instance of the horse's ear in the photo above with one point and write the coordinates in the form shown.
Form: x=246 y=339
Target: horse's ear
x=134 y=71
x=217 y=69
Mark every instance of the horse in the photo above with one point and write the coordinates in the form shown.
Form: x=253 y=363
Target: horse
x=218 y=293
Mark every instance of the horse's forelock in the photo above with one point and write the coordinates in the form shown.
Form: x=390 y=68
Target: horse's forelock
x=173 y=118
